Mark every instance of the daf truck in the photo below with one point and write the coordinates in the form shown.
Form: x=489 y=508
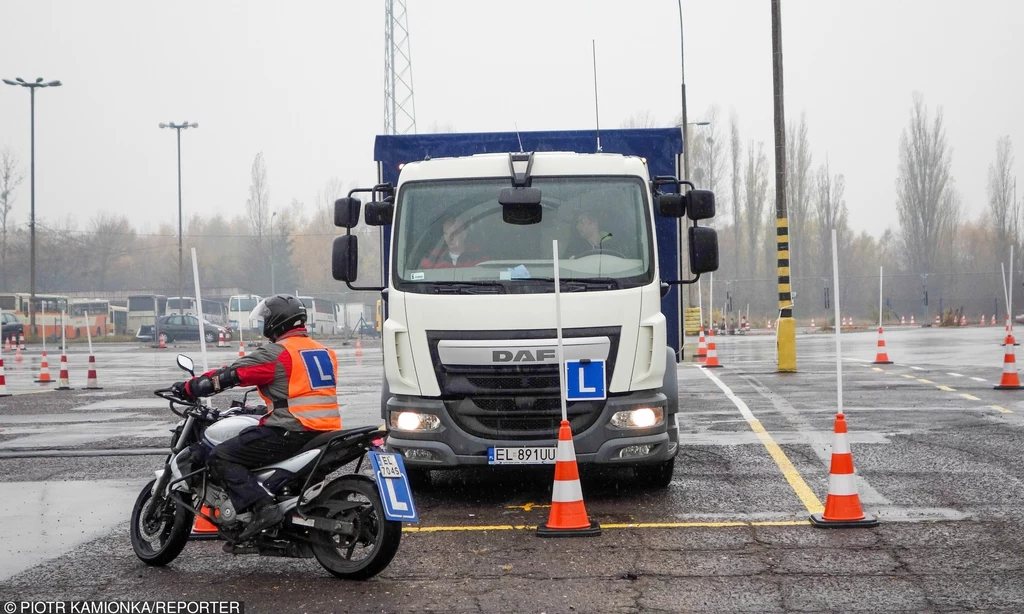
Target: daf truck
x=468 y=224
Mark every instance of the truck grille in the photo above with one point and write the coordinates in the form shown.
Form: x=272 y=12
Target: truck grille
x=520 y=418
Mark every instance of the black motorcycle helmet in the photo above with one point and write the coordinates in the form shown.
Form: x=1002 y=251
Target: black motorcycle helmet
x=280 y=313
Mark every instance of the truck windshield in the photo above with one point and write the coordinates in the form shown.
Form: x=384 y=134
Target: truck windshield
x=452 y=231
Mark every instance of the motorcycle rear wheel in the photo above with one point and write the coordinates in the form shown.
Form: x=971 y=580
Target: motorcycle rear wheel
x=158 y=535
x=376 y=538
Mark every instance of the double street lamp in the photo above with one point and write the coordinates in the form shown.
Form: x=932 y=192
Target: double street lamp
x=181 y=271
x=32 y=87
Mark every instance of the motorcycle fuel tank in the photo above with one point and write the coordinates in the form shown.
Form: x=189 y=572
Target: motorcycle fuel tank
x=225 y=429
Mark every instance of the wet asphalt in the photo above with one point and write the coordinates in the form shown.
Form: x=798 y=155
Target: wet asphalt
x=935 y=446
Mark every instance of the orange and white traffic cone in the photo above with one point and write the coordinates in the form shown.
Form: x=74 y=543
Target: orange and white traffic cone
x=938 y=321
x=63 y=380
x=568 y=517
x=3 y=380
x=44 y=371
x=903 y=320
x=359 y=347
x=812 y=323
x=842 y=508
x=963 y=319
x=912 y=323
x=91 y=382
x=712 y=360
x=702 y=347
x=17 y=355
x=8 y=347
x=993 y=320
x=982 y=323
x=163 y=341
x=1010 y=379
x=21 y=341
x=241 y=348
x=203 y=528
x=220 y=339
x=882 y=357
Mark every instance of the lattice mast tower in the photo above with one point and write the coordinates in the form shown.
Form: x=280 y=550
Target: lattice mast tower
x=399 y=105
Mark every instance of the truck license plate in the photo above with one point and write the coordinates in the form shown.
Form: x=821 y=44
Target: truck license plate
x=521 y=456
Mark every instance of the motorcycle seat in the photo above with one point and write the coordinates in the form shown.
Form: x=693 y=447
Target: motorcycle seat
x=328 y=436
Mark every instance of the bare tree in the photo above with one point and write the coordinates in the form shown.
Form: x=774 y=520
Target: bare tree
x=735 y=153
x=111 y=236
x=708 y=153
x=642 y=119
x=755 y=197
x=10 y=178
x=1001 y=206
x=798 y=191
x=831 y=211
x=325 y=202
x=436 y=127
x=258 y=204
x=926 y=200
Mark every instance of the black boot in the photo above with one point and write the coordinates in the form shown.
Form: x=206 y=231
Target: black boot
x=263 y=517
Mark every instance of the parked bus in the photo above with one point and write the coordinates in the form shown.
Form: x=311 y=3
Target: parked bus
x=215 y=312
x=143 y=310
x=239 y=308
x=320 y=315
x=48 y=308
x=117 y=320
x=91 y=313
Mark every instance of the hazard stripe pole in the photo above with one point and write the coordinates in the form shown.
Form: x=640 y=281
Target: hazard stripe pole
x=558 y=327
x=839 y=350
x=785 y=334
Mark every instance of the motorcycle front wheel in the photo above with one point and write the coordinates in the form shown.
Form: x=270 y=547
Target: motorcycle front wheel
x=159 y=532
x=375 y=540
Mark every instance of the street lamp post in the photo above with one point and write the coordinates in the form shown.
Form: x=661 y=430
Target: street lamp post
x=181 y=271
x=273 y=287
x=32 y=223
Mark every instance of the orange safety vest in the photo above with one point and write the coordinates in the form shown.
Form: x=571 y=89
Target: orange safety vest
x=312 y=386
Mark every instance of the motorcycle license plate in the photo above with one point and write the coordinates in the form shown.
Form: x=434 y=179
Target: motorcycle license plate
x=521 y=456
x=393 y=483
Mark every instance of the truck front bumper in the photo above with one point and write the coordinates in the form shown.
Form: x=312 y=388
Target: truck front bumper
x=602 y=444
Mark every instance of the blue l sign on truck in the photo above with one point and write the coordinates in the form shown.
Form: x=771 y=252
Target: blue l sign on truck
x=584 y=380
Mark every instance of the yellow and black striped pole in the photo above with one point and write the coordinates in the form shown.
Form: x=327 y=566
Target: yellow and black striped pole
x=785 y=333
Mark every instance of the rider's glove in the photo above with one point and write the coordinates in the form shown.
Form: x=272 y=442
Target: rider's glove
x=180 y=390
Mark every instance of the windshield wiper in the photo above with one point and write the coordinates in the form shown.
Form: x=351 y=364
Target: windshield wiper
x=583 y=283
x=467 y=287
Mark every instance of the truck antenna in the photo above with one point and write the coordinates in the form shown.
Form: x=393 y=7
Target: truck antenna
x=516 y=124
x=597 y=114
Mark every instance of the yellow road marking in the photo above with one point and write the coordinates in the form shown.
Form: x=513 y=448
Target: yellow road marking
x=946 y=388
x=1001 y=409
x=617 y=525
x=970 y=397
x=526 y=507
x=909 y=376
x=796 y=481
x=924 y=381
x=878 y=369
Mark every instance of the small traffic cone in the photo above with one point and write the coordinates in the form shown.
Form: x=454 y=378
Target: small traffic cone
x=17 y=355
x=812 y=322
x=163 y=342
x=568 y=517
x=712 y=359
x=982 y=323
x=702 y=347
x=912 y=323
x=63 y=381
x=21 y=341
x=746 y=325
x=842 y=508
x=90 y=378
x=241 y=348
x=8 y=348
x=44 y=371
x=769 y=324
x=882 y=357
x=963 y=319
x=993 y=320
x=903 y=320
x=359 y=347
x=220 y=339
x=3 y=380
x=938 y=321
x=203 y=528
x=1010 y=379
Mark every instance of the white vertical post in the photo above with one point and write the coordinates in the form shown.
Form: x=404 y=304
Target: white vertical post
x=839 y=351
x=63 y=340
x=199 y=309
x=88 y=333
x=711 y=303
x=880 y=297
x=558 y=327
x=1009 y=299
x=700 y=305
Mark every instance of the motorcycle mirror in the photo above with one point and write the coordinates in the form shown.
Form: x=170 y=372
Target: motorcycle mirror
x=186 y=364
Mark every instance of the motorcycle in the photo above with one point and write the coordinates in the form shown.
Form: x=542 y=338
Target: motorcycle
x=350 y=523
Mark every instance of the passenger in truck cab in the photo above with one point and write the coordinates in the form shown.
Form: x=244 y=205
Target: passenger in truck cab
x=589 y=237
x=456 y=251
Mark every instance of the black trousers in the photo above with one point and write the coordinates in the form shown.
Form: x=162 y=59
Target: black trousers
x=254 y=447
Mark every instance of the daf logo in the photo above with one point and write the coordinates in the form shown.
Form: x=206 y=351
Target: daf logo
x=522 y=355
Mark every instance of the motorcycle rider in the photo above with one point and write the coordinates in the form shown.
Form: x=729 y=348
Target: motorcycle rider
x=297 y=378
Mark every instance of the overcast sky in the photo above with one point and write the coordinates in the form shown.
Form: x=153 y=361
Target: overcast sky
x=303 y=82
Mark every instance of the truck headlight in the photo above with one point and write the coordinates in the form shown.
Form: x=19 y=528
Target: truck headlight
x=414 y=421
x=640 y=418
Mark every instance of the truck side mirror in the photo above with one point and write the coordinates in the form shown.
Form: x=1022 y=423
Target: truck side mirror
x=346 y=212
x=703 y=250
x=701 y=204
x=671 y=205
x=345 y=258
x=379 y=213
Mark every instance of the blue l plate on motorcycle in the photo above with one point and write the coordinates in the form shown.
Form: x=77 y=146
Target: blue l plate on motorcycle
x=393 y=483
